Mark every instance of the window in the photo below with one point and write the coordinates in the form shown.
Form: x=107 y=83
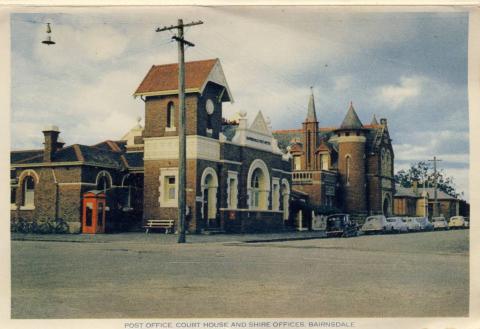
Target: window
x=170 y=115
x=276 y=194
x=285 y=199
x=103 y=184
x=232 y=190
x=256 y=189
x=168 y=197
x=170 y=188
x=324 y=160
x=258 y=185
x=13 y=195
x=296 y=163
x=347 y=169
x=308 y=149
x=28 y=191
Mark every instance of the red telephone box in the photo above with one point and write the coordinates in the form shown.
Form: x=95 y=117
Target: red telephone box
x=93 y=220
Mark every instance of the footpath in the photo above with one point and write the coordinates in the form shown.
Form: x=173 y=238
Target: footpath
x=169 y=238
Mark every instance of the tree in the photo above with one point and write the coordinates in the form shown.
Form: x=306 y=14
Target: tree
x=422 y=173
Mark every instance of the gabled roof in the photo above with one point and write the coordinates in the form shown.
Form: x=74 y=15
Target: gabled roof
x=163 y=79
x=351 y=120
x=374 y=121
x=260 y=125
x=107 y=153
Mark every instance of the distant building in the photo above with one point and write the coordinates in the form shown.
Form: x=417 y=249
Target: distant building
x=419 y=202
x=349 y=167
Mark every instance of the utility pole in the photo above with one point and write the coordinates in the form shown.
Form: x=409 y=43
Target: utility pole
x=182 y=168
x=435 y=202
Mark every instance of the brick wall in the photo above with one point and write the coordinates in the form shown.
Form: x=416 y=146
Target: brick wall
x=354 y=193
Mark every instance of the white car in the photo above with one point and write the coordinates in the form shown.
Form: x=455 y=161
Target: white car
x=396 y=224
x=439 y=223
x=425 y=224
x=376 y=224
x=456 y=222
x=412 y=224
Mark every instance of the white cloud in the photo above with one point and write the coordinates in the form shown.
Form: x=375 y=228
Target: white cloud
x=343 y=82
x=395 y=95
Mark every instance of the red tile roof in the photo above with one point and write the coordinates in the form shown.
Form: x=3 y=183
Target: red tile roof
x=165 y=77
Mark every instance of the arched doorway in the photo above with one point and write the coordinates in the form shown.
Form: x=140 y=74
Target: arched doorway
x=209 y=198
x=387 y=206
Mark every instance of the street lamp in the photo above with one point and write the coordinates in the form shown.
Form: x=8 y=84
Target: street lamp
x=48 y=41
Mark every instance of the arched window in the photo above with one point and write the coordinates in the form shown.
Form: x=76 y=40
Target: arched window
x=256 y=177
x=170 y=115
x=28 y=190
x=104 y=181
x=348 y=161
x=258 y=185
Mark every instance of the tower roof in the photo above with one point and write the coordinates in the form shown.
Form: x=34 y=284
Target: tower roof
x=374 y=121
x=163 y=79
x=311 y=113
x=351 y=120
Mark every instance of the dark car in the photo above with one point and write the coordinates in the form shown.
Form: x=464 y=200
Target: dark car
x=340 y=225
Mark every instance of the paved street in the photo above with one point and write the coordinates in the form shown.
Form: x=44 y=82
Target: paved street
x=138 y=276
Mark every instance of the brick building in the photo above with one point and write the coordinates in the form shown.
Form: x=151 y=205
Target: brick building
x=238 y=180
x=349 y=167
x=241 y=176
x=49 y=183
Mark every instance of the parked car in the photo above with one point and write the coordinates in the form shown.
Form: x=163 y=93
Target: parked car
x=439 y=223
x=425 y=224
x=456 y=222
x=412 y=224
x=376 y=224
x=340 y=225
x=467 y=222
x=397 y=225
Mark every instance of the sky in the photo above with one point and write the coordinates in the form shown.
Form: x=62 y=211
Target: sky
x=407 y=67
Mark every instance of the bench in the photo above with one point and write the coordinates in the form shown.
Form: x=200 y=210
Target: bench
x=166 y=224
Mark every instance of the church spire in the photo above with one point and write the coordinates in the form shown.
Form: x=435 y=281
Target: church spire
x=311 y=114
x=374 y=121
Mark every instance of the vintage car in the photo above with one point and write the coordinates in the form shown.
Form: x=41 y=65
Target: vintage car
x=396 y=224
x=412 y=224
x=375 y=224
x=456 y=222
x=439 y=223
x=340 y=225
x=425 y=224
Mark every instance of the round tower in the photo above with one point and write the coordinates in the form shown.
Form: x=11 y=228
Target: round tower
x=351 y=137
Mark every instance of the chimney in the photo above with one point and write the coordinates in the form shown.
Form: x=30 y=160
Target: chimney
x=383 y=122
x=51 y=143
x=415 y=187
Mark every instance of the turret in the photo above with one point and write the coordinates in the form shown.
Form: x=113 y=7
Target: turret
x=351 y=137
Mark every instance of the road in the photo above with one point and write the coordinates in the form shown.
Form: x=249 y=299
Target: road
x=414 y=275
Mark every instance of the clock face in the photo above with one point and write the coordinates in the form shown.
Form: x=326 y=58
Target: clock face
x=210 y=107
